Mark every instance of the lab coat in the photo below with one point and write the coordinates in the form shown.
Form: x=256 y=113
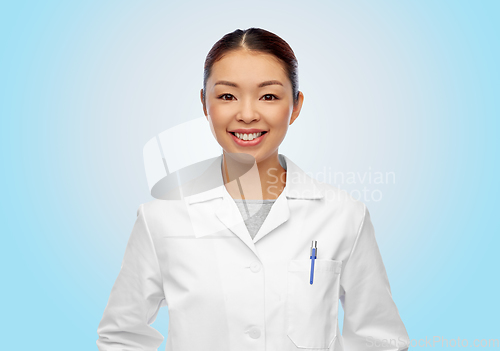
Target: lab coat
x=228 y=292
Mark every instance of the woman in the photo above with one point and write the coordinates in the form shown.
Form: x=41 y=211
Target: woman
x=235 y=264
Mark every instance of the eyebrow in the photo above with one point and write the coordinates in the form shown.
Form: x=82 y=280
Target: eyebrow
x=261 y=85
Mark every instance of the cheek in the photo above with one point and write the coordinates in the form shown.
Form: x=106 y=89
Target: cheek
x=218 y=121
x=218 y=116
x=280 y=116
x=218 y=130
x=212 y=129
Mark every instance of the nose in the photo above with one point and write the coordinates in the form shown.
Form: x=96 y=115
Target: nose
x=248 y=113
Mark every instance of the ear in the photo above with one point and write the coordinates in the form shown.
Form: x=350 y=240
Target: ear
x=203 y=103
x=297 y=107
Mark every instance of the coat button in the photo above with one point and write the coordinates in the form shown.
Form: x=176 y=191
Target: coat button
x=255 y=333
x=255 y=267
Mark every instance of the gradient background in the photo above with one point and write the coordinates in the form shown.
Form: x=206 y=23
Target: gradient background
x=390 y=86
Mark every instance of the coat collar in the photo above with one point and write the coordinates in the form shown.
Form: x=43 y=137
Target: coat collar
x=298 y=186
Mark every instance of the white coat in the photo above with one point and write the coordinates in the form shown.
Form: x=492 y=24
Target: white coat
x=228 y=292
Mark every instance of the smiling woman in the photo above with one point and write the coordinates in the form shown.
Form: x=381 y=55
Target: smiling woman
x=250 y=96
x=266 y=289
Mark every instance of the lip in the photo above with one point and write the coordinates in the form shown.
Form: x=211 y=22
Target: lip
x=248 y=143
x=247 y=131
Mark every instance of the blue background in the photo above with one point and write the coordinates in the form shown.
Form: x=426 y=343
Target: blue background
x=410 y=88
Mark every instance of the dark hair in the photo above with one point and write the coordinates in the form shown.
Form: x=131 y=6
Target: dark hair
x=255 y=39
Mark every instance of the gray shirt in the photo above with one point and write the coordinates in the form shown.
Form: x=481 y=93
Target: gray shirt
x=259 y=208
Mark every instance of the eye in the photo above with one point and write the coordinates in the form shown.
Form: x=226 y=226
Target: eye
x=270 y=96
x=226 y=96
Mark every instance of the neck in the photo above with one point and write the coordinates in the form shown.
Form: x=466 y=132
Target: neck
x=246 y=179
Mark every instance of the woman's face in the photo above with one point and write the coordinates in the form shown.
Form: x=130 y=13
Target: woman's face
x=247 y=93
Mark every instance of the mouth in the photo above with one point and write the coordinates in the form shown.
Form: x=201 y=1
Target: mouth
x=249 y=136
x=250 y=139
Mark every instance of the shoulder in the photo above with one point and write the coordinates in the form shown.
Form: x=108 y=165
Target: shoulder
x=163 y=214
x=340 y=203
x=158 y=206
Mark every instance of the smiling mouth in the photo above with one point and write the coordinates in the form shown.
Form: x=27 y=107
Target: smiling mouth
x=247 y=137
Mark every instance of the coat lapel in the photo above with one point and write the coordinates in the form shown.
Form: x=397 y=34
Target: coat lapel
x=279 y=214
x=298 y=186
x=214 y=210
x=230 y=216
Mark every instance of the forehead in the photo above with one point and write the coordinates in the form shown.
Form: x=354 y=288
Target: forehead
x=251 y=67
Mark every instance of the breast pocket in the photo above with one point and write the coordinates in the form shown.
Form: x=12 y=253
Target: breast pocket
x=312 y=308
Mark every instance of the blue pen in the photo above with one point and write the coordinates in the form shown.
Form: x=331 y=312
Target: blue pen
x=314 y=252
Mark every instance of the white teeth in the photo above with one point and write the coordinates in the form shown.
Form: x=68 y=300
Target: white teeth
x=248 y=136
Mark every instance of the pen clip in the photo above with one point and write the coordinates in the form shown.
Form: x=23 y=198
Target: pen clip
x=314 y=246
